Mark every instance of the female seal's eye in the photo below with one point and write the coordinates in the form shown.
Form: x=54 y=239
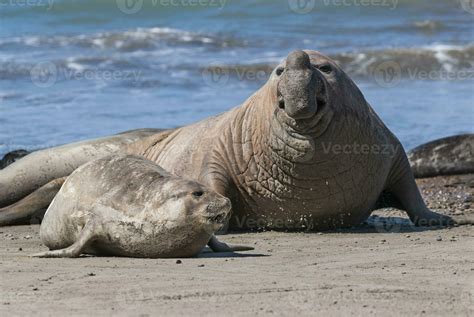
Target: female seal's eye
x=326 y=68
x=279 y=71
x=198 y=194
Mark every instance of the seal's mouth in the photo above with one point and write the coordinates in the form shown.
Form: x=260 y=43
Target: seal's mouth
x=321 y=98
x=302 y=125
x=321 y=101
x=218 y=212
x=218 y=219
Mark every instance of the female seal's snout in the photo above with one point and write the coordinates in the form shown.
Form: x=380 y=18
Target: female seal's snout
x=218 y=210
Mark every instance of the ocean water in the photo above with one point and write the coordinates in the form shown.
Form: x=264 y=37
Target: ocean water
x=73 y=70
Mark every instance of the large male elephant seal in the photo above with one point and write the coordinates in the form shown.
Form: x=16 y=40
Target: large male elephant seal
x=128 y=206
x=306 y=151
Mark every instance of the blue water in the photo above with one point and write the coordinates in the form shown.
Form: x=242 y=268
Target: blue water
x=83 y=69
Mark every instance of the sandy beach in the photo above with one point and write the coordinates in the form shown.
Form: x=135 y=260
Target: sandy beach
x=383 y=267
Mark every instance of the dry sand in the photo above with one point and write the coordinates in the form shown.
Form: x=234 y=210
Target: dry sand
x=385 y=267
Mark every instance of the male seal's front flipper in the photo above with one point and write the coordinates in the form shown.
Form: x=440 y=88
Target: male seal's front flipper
x=86 y=237
x=218 y=246
x=402 y=184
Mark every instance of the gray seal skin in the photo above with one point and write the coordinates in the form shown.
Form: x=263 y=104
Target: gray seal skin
x=128 y=206
x=40 y=167
x=446 y=156
x=28 y=185
x=304 y=152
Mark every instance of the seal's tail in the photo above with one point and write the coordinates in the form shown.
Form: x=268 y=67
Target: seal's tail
x=31 y=208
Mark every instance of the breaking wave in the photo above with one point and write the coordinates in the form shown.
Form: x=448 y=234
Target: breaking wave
x=124 y=41
x=155 y=49
x=438 y=57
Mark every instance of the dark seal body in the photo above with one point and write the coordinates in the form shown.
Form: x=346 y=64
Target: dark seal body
x=447 y=156
x=12 y=157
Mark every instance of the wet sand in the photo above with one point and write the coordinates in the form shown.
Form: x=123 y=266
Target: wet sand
x=386 y=266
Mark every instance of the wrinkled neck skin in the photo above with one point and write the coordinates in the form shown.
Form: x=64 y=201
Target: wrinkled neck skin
x=271 y=149
x=286 y=138
x=282 y=168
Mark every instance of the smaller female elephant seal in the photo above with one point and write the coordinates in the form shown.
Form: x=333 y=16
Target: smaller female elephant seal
x=123 y=205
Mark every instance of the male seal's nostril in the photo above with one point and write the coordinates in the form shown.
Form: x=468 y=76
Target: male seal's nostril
x=198 y=193
x=279 y=71
x=298 y=60
x=281 y=104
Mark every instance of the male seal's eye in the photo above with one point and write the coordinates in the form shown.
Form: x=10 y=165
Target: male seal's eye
x=279 y=71
x=198 y=194
x=325 y=68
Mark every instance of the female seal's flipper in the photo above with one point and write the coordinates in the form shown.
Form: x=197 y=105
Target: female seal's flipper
x=32 y=206
x=86 y=237
x=218 y=246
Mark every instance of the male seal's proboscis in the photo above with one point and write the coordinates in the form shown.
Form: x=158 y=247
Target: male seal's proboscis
x=305 y=152
x=128 y=206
